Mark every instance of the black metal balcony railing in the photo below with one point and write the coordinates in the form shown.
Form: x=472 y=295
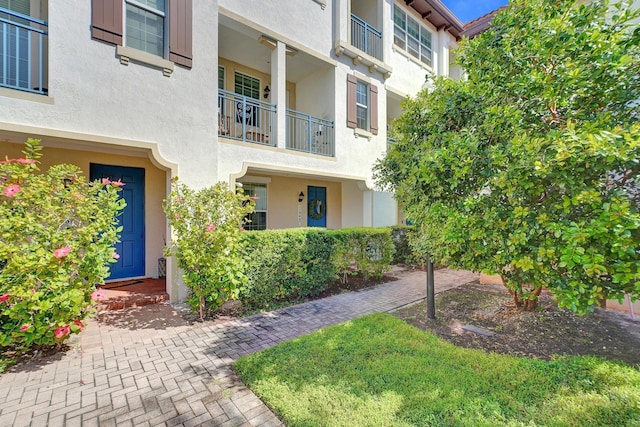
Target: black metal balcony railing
x=23 y=52
x=246 y=119
x=366 y=38
x=310 y=134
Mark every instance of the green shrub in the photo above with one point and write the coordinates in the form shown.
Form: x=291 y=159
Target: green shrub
x=401 y=235
x=57 y=233
x=286 y=265
x=365 y=251
x=207 y=225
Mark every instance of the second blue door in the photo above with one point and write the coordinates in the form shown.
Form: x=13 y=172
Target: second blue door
x=131 y=246
x=317 y=208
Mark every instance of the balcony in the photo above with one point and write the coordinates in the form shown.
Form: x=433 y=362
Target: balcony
x=310 y=134
x=246 y=119
x=366 y=38
x=23 y=52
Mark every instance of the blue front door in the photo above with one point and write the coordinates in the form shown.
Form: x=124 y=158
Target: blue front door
x=131 y=246
x=317 y=208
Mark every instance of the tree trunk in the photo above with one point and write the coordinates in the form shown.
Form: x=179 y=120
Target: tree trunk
x=522 y=302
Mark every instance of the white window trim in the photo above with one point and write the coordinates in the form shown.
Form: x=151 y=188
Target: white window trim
x=165 y=29
x=224 y=76
x=365 y=106
x=266 y=189
x=248 y=75
x=406 y=36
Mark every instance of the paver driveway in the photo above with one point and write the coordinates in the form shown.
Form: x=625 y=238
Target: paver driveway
x=147 y=366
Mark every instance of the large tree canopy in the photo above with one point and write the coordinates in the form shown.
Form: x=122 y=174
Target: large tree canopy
x=529 y=167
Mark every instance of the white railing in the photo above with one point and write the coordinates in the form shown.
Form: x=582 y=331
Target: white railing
x=366 y=38
x=23 y=52
x=246 y=119
x=310 y=134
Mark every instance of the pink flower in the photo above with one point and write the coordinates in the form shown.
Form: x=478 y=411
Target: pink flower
x=25 y=161
x=4 y=297
x=25 y=327
x=79 y=324
x=98 y=295
x=62 y=252
x=116 y=255
x=241 y=228
x=62 y=331
x=210 y=227
x=106 y=181
x=117 y=183
x=77 y=196
x=11 y=190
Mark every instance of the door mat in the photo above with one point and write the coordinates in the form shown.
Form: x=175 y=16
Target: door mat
x=120 y=284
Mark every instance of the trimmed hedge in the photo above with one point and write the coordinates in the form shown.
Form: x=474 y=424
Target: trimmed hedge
x=295 y=264
x=286 y=265
x=401 y=235
x=361 y=250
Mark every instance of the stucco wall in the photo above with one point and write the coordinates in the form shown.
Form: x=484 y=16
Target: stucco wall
x=282 y=201
x=313 y=24
x=155 y=189
x=91 y=92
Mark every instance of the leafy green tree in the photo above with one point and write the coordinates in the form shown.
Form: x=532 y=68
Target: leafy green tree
x=207 y=242
x=529 y=168
x=57 y=233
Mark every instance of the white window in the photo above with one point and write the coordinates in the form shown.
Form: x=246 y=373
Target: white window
x=145 y=25
x=362 y=105
x=412 y=37
x=259 y=217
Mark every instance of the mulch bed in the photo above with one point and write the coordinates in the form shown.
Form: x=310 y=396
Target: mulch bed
x=545 y=333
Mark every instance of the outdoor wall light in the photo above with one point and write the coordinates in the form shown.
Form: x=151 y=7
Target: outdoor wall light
x=300 y=197
x=266 y=91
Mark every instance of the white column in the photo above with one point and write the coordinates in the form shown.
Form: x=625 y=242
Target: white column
x=443 y=53
x=367 y=208
x=279 y=91
x=342 y=19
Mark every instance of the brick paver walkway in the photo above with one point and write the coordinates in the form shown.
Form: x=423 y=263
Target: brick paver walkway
x=147 y=367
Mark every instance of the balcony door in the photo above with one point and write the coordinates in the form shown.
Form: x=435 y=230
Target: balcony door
x=14 y=44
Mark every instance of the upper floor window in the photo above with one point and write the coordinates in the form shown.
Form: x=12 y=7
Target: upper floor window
x=160 y=28
x=247 y=85
x=220 y=77
x=145 y=28
x=409 y=35
x=362 y=105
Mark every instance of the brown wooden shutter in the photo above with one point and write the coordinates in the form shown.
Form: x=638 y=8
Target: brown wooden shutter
x=373 y=109
x=106 y=20
x=180 y=33
x=352 y=120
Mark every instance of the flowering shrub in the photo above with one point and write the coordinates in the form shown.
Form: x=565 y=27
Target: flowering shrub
x=57 y=233
x=207 y=227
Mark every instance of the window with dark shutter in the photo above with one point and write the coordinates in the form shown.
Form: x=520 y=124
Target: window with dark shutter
x=352 y=120
x=180 y=24
x=106 y=21
x=373 y=109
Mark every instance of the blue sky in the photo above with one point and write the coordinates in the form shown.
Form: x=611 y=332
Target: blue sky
x=468 y=10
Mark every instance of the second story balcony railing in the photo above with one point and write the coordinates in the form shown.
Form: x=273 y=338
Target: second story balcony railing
x=23 y=52
x=246 y=119
x=310 y=134
x=366 y=38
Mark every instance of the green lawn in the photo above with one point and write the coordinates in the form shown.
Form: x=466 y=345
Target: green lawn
x=380 y=371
